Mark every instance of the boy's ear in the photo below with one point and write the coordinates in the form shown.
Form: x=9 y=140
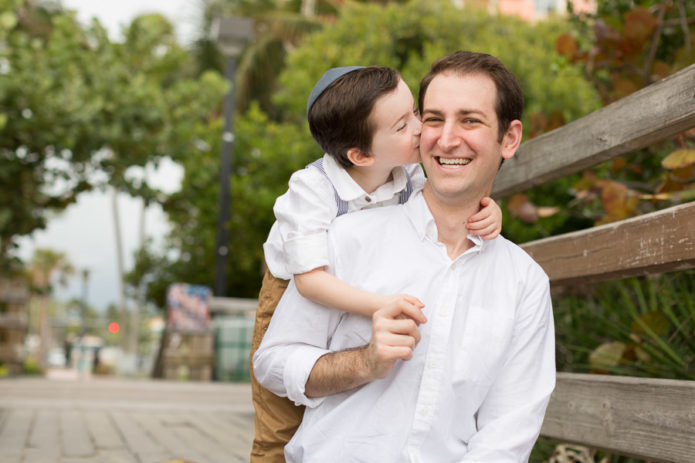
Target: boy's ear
x=359 y=158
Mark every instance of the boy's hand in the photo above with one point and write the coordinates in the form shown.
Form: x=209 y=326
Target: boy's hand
x=411 y=306
x=486 y=223
x=395 y=334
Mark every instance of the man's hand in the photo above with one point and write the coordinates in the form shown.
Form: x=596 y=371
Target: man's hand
x=395 y=334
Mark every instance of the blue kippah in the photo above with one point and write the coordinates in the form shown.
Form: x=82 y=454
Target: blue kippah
x=328 y=78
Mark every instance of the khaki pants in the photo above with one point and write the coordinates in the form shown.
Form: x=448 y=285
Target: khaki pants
x=277 y=418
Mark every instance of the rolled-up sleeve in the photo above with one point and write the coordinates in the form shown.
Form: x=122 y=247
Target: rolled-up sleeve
x=511 y=416
x=297 y=337
x=303 y=215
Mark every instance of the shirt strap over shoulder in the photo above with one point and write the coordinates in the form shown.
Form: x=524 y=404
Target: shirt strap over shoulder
x=341 y=203
x=405 y=194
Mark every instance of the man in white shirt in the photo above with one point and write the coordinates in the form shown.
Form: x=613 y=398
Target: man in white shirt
x=473 y=382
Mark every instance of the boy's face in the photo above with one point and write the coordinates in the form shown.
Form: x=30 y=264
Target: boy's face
x=396 y=139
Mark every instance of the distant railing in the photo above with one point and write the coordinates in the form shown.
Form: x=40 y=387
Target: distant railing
x=653 y=419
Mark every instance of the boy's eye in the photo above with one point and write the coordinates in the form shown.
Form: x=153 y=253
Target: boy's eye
x=402 y=126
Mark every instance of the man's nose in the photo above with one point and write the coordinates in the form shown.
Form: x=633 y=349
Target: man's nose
x=448 y=138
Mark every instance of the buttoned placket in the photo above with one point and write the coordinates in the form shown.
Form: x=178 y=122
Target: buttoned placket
x=440 y=331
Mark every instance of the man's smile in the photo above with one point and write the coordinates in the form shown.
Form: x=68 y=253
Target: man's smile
x=452 y=162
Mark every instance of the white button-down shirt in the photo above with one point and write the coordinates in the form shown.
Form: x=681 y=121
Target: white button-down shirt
x=298 y=239
x=479 y=380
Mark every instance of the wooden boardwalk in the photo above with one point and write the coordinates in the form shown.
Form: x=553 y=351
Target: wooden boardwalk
x=122 y=421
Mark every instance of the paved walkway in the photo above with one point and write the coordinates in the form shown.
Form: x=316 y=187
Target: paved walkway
x=122 y=421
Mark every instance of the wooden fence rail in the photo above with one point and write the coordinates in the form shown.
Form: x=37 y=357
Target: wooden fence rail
x=658 y=111
x=653 y=419
x=640 y=417
x=657 y=242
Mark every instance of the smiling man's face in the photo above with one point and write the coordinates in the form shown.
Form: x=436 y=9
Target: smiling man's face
x=459 y=142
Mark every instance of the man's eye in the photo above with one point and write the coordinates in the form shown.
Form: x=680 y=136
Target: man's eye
x=430 y=120
x=470 y=121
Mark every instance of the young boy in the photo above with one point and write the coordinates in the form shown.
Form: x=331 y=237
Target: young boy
x=365 y=120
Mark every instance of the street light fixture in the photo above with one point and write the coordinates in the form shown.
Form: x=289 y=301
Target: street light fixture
x=230 y=34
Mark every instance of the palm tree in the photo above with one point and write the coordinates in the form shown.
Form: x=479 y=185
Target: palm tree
x=45 y=266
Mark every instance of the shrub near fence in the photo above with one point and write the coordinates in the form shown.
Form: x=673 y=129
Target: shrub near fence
x=652 y=419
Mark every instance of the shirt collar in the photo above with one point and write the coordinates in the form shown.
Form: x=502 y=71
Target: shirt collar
x=421 y=218
x=349 y=190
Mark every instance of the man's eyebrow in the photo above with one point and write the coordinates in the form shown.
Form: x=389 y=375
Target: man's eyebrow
x=460 y=112
x=468 y=112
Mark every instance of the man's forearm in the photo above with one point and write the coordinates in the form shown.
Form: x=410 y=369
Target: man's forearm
x=394 y=336
x=338 y=372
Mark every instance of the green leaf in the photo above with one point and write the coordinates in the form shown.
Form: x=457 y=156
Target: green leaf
x=655 y=321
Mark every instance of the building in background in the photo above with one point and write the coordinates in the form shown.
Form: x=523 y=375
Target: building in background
x=534 y=10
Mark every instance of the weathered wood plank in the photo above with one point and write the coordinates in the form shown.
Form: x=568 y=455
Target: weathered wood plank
x=103 y=430
x=653 y=419
x=658 y=111
x=138 y=440
x=226 y=434
x=655 y=242
x=15 y=434
x=189 y=429
x=117 y=456
x=44 y=438
x=162 y=426
x=75 y=438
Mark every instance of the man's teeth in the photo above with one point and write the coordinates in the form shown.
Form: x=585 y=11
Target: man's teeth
x=454 y=161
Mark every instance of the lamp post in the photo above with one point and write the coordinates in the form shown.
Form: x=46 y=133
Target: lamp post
x=230 y=34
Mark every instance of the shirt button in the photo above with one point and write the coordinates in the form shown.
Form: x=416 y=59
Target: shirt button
x=434 y=364
x=424 y=412
x=368 y=199
x=444 y=312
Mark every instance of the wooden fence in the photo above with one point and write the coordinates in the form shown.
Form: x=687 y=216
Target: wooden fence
x=653 y=419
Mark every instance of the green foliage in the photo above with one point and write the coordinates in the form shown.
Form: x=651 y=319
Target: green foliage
x=638 y=327
x=625 y=46
x=279 y=26
x=408 y=37
x=32 y=368
x=77 y=110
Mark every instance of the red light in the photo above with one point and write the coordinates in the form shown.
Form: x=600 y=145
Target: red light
x=114 y=328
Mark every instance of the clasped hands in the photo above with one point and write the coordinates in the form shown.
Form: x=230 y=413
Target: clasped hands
x=395 y=333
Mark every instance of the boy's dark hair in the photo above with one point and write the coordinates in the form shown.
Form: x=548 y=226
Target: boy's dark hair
x=339 y=118
x=510 y=100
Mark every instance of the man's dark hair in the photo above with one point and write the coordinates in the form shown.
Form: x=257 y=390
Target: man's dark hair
x=510 y=100
x=339 y=119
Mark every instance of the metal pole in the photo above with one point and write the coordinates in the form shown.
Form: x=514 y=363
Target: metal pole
x=225 y=181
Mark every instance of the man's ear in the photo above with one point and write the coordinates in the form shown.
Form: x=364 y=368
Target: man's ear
x=359 y=158
x=512 y=139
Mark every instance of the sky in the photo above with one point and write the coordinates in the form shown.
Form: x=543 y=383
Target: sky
x=85 y=230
